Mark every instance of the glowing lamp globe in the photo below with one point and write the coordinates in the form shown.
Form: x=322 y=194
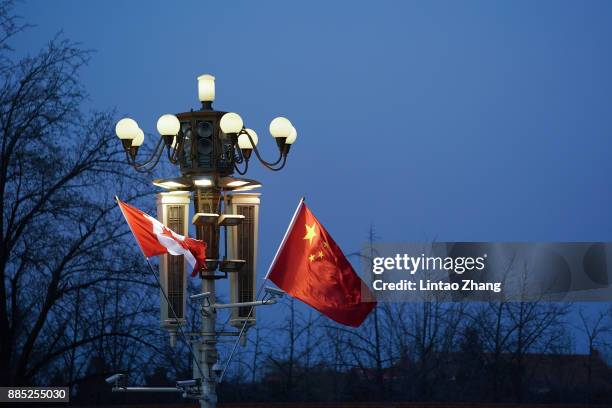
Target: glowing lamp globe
x=168 y=125
x=139 y=139
x=126 y=128
x=231 y=123
x=244 y=142
x=292 y=136
x=206 y=88
x=280 y=127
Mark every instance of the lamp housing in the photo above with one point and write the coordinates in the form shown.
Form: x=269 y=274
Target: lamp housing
x=206 y=148
x=242 y=241
x=173 y=212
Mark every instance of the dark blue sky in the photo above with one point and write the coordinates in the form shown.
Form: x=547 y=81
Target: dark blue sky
x=488 y=121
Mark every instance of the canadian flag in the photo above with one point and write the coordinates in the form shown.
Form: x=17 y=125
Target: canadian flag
x=155 y=238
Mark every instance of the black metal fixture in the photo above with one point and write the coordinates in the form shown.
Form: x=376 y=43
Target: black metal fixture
x=208 y=146
x=205 y=142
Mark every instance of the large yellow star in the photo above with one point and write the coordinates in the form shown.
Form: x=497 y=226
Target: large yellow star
x=311 y=232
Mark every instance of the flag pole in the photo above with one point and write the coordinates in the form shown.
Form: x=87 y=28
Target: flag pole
x=282 y=244
x=246 y=320
x=157 y=280
x=176 y=319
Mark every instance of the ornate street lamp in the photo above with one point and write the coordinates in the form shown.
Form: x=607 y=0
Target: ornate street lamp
x=205 y=142
x=208 y=146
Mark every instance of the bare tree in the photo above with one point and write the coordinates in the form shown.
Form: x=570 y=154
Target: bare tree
x=512 y=330
x=62 y=240
x=495 y=332
x=597 y=328
x=292 y=351
x=535 y=327
x=365 y=345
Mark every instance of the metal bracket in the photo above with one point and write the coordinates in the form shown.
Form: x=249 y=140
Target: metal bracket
x=190 y=389
x=244 y=304
x=146 y=389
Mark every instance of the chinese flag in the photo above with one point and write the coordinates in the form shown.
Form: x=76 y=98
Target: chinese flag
x=311 y=267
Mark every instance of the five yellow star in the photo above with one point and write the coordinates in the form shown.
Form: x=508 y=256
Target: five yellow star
x=325 y=244
x=311 y=232
x=320 y=254
x=311 y=257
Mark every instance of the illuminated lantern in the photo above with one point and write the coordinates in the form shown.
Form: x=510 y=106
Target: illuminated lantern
x=242 y=242
x=173 y=212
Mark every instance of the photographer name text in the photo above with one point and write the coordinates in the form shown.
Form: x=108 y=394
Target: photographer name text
x=413 y=264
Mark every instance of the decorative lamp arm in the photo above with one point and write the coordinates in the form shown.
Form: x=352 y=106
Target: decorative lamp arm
x=270 y=165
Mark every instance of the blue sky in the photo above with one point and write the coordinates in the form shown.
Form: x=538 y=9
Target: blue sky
x=475 y=120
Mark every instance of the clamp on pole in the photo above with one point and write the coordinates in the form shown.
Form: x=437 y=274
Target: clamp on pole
x=271 y=297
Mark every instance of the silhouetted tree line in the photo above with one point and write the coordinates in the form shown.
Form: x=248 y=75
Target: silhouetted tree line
x=76 y=304
x=431 y=351
x=426 y=352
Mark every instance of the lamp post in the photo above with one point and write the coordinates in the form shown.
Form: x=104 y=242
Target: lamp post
x=208 y=146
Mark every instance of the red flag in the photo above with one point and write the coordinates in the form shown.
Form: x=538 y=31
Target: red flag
x=155 y=238
x=311 y=267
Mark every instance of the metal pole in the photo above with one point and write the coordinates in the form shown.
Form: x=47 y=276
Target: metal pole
x=206 y=355
x=197 y=365
x=206 y=349
x=295 y=213
x=241 y=333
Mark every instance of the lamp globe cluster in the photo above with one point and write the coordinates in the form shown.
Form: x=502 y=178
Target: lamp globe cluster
x=206 y=141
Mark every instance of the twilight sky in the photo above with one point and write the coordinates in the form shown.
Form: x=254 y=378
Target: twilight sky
x=476 y=120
